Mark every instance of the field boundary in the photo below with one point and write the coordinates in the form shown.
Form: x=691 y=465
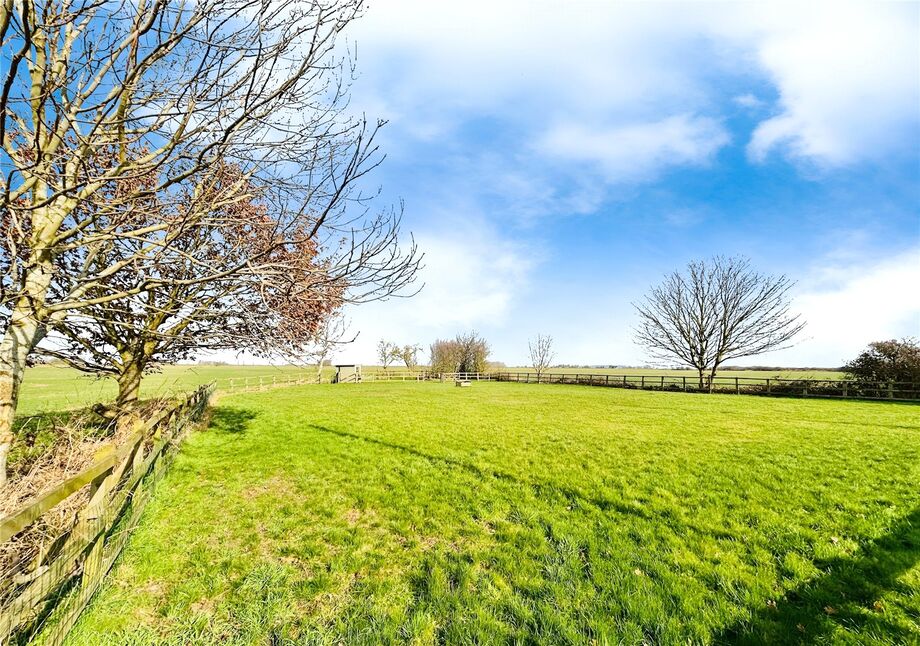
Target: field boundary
x=42 y=596
x=769 y=386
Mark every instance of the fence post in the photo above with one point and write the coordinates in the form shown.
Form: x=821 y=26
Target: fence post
x=768 y=385
x=844 y=387
x=890 y=390
x=607 y=381
x=737 y=389
x=805 y=389
x=685 y=382
x=662 y=382
x=642 y=382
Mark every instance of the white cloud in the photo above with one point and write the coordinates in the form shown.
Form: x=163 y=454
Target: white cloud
x=748 y=101
x=638 y=151
x=472 y=279
x=847 y=305
x=845 y=74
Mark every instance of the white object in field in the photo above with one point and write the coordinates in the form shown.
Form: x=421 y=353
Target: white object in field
x=347 y=373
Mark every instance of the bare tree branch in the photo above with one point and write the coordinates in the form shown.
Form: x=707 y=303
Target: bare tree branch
x=714 y=311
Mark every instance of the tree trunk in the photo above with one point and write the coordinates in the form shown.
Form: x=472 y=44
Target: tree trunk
x=19 y=338
x=702 y=383
x=712 y=376
x=129 y=385
x=129 y=389
x=15 y=347
x=25 y=326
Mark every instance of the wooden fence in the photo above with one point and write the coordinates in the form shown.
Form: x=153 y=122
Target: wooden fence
x=264 y=382
x=465 y=376
x=43 y=597
x=396 y=375
x=835 y=388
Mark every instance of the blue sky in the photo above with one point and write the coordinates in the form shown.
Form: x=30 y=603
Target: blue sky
x=556 y=159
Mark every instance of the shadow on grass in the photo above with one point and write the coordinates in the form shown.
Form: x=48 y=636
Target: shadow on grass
x=844 y=596
x=545 y=489
x=230 y=420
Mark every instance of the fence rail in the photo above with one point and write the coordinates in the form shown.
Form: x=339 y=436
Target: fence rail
x=833 y=388
x=465 y=376
x=395 y=376
x=43 y=596
x=264 y=382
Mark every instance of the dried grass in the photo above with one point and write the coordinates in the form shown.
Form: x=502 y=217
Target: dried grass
x=78 y=439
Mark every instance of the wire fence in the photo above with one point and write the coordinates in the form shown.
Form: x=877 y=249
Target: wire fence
x=833 y=388
x=774 y=386
x=42 y=594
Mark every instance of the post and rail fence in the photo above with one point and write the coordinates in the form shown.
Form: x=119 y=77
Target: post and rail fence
x=775 y=386
x=43 y=594
x=831 y=388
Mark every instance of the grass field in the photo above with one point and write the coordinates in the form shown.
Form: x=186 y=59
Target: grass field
x=53 y=388
x=424 y=513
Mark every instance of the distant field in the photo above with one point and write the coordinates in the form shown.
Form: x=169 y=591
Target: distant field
x=49 y=388
x=513 y=513
x=758 y=374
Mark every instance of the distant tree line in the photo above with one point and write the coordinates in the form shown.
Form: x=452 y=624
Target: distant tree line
x=886 y=361
x=467 y=352
x=390 y=353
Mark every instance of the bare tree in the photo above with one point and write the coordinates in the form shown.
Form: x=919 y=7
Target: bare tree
x=473 y=352
x=541 y=354
x=104 y=105
x=714 y=311
x=265 y=307
x=444 y=356
x=387 y=353
x=408 y=354
x=332 y=335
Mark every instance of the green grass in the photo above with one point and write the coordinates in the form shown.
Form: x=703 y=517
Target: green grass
x=56 y=388
x=425 y=513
